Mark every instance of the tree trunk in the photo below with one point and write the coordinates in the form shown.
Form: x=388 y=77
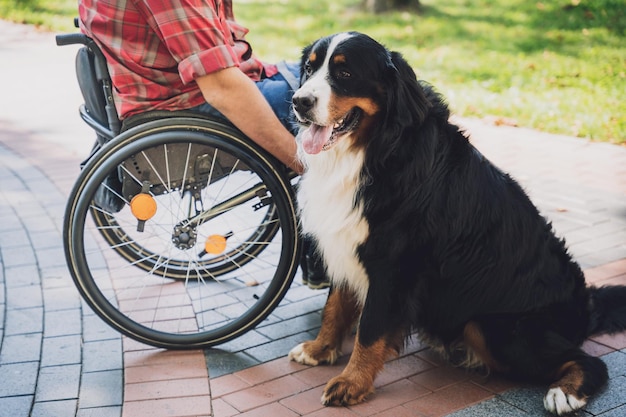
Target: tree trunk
x=379 y=6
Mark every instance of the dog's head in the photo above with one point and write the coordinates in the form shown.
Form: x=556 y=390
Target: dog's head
x=351 y=86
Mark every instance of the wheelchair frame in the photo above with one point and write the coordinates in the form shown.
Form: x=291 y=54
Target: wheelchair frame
x=140 y=274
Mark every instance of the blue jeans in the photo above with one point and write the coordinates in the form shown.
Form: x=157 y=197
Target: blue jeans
x=278 y=93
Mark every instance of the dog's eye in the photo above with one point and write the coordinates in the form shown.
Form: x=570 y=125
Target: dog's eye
x=343 y=73
x=308 y=70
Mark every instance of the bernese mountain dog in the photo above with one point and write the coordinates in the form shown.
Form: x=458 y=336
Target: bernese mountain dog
x=419 y=232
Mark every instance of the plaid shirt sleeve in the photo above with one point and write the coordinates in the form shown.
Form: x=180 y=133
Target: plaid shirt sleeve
x=201 y=38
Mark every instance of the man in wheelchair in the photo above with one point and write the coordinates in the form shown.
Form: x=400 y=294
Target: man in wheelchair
x=192 y=55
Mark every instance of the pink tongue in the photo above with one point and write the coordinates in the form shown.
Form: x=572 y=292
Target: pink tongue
x=315 y=137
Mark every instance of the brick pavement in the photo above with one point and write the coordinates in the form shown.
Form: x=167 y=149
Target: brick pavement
x=58 y=359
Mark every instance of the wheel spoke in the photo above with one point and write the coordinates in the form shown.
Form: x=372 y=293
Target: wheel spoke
x=152 y=284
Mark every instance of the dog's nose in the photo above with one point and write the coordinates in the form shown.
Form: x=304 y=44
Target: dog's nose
x=303 y=103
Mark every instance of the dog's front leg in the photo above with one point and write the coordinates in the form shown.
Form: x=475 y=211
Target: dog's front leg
x=340 y=312
x=356 y=381
x=378 y=338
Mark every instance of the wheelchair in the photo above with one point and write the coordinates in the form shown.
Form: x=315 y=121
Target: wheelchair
x=179 y=232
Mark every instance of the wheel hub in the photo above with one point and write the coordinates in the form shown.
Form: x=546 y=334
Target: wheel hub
x=184 y=237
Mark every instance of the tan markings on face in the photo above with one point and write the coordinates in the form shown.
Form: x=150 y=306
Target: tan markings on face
x=363 y=132
x=312 y=57
x=339 y=59
x=339 y=106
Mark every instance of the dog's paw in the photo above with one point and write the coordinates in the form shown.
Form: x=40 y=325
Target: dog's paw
x=344 y=390
x=560 y=403
x=309 y=353
x=299 y=354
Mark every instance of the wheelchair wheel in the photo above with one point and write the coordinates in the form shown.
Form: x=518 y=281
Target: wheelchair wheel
x=200 y=243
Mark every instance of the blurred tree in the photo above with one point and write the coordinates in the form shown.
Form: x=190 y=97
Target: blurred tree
x=379 y=6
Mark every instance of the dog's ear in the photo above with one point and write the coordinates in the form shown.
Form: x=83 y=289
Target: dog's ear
x=406 y=102
x=407 y=106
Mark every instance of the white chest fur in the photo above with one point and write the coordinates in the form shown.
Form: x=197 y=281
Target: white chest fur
x=327 y=211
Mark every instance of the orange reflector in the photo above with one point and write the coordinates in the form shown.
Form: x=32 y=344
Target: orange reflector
x=143 y=206
x=215 y=244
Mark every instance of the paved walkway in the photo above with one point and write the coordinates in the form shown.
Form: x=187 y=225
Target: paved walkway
x=58 y=359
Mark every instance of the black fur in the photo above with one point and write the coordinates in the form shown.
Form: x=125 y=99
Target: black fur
x=454 y=239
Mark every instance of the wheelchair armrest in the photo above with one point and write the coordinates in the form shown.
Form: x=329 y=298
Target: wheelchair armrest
x=100 y=129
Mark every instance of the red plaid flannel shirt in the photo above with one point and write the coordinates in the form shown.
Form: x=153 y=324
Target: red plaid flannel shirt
x=155 y=49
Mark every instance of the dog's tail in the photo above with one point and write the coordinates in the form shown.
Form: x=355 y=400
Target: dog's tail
x=608 y=309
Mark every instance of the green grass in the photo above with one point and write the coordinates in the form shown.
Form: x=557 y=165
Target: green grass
x=557 y=65
x=49 y=14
